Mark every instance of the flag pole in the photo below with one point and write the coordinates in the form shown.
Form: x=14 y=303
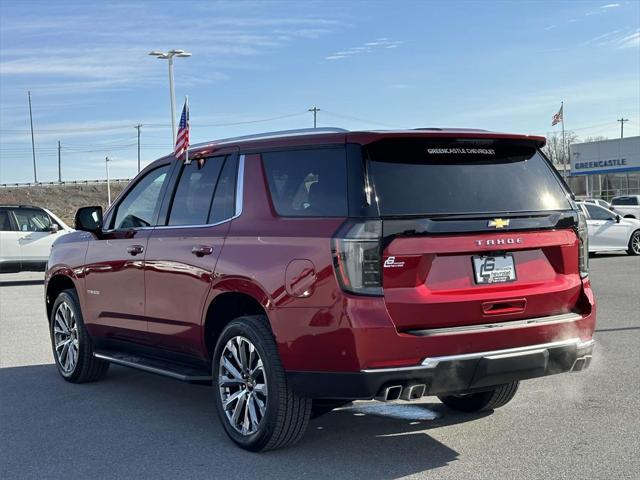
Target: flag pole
x=186 y=120
x=564 y=144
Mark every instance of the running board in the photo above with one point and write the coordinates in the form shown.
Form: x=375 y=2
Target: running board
x=152 y=365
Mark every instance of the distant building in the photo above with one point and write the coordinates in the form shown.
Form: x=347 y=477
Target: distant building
x=606 y=168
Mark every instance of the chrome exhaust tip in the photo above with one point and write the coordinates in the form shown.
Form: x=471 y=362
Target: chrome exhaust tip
x=390 y=393
x=581 y=363
x=413 y=392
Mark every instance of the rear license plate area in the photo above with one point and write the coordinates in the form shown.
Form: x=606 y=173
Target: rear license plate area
x=493 y=269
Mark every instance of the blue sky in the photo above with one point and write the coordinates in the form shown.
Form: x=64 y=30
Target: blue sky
x=497 y=65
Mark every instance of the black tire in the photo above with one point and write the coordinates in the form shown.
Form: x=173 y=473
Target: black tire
x=634 y=243
x=481 y=401
x=287 y=415
x=87 y=368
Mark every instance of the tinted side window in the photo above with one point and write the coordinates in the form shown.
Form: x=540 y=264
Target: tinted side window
x=598 y=213
x=140 y=207
x=625 y=201
x=5 y=222
x=224 y=200
x=193 y=196
x=32 y=220
x=308 y=183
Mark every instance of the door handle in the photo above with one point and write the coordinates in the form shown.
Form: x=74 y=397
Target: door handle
x=135 y=249
x=202 y=250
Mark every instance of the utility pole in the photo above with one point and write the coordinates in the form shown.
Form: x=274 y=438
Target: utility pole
x=315 y=111
x=622 y=120
x=33 y=145
x=59 y=164
x=106 y=161
x=138 y=127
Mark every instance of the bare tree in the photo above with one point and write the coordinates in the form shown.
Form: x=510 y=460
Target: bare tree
x=597 y=138
x=555 y=150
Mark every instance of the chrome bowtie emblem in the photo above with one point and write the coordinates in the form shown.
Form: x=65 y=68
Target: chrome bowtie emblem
x=498 y=223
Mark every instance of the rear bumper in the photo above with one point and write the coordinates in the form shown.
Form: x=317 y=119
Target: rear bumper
x=450 y=374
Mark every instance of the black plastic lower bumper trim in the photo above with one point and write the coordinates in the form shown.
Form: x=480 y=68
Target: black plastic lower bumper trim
x=453 y=374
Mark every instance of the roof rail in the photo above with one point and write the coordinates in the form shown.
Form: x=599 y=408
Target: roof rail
x=438 y=129
x=269 y=135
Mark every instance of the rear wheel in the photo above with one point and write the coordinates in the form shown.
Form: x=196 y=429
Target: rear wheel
x=71 y=344
x=481 y=401
x=634 y=243
x=256 y=406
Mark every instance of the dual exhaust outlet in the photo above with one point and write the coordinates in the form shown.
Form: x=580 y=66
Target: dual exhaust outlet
x=401 y=392
x=581 y=363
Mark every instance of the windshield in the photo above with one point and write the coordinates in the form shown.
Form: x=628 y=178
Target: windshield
x=426 y=177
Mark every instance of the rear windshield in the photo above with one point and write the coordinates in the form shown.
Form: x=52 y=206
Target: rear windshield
x=423 y=177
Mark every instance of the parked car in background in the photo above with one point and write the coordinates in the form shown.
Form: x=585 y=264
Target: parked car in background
x=26 y=236
x=609 y=232
x=597 y=201
x=301 y=270
x=627 y=206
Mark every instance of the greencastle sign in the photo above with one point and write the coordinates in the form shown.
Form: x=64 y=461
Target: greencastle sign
x=607 y=156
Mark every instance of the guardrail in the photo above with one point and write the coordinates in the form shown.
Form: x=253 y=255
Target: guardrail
x=67 y=182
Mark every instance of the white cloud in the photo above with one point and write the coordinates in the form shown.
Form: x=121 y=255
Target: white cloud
x=610 y=5
x=550 y=27
x=630 y=41
x=368 y=47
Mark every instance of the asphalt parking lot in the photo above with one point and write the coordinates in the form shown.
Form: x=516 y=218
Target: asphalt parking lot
x=135 y=425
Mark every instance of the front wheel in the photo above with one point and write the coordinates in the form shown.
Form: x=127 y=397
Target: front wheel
x=71 y=344
x=634 y=243
x=256 y=406
x=481 y=401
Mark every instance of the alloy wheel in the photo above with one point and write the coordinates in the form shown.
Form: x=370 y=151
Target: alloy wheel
x=65 y=337
x=635 y=243
x=242 y=382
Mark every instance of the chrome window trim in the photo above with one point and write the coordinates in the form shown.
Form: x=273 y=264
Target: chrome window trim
x=561 y=318
x=237 y=211
x=430 y=363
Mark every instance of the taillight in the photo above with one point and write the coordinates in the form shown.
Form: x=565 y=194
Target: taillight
x=357 y=257
x=583 y=255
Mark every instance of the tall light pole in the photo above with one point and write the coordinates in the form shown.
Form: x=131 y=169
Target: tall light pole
x=169 y=56
x=106 y=162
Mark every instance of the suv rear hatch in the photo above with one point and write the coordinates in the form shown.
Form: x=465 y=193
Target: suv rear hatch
x=474 y=231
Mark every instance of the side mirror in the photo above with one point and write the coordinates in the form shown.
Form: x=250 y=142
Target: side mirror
x=618 y=218
x=89 y=219
x=54 y=228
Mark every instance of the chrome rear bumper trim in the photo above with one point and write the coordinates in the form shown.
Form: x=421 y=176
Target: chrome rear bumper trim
x=562 y=318
x=432 y=362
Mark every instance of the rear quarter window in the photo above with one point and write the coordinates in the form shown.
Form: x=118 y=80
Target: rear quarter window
x=308 y=183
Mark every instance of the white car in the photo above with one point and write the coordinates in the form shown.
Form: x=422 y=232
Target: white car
x=598 y=201
x=627 y=206
x=26 y=236
x=608 y=232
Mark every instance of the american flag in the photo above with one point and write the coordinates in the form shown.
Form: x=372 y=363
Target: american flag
x=182 y=138
x=557 y=118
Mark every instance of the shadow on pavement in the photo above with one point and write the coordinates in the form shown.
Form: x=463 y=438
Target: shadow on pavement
x=132 y=425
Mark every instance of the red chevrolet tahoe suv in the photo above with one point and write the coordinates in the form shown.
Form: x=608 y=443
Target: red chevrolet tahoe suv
x=297 y=271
